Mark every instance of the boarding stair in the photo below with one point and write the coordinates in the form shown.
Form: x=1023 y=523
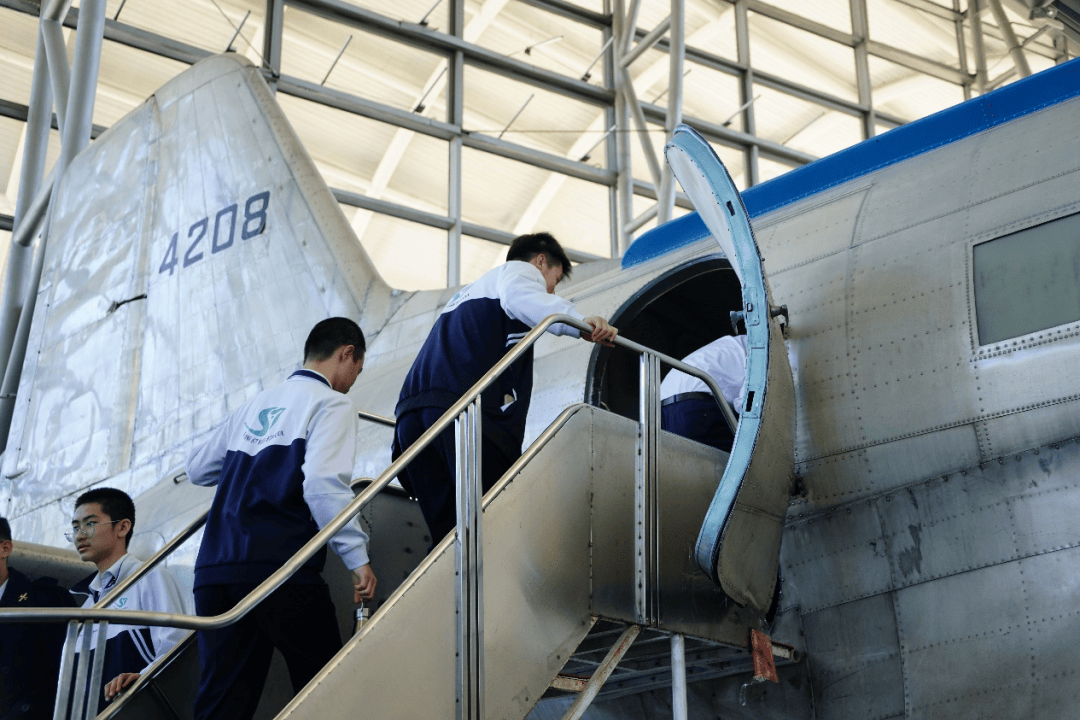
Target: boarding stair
x=578 y=568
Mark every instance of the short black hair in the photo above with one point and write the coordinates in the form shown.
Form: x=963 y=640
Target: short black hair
x=5 y=530
x=330 y=334
x=526 y=247
x=115 y=503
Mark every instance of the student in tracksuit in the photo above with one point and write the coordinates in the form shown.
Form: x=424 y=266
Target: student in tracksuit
x=687 y=406
x=476 y=328
x=101 y=529
x=282 y=464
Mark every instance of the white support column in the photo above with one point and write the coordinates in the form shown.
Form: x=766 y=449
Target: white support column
x=20 y=256
x=626 y=89
x=676 y=57
x=961 y=48
x=1006 y=29
x=273 y=26
x=76 y=136
x=746 y=91
x=861 y=27
x=624 y=187
x=52 y=33
x=612 y=143
x=455 y=106
x=975 y=12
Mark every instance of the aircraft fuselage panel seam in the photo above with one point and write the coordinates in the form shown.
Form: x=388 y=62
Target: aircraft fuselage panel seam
x=938 y=428
x=894 y=587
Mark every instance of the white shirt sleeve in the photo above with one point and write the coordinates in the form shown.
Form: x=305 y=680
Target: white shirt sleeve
x=204 y=462
x=328 y=464
x=524 y=296
x=159 y=592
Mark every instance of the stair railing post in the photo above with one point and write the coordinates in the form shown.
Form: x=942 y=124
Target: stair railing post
x=468 y=549
x=646 y=519
x=80 y=690
x=92 y=698
x=67 y=668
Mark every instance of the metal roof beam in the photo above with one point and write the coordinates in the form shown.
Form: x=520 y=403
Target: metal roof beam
x=444 y=131
x=540 y=159
x=878 y=49
x=442 y=222
x=734 y=138
x=932 y=8
x=573 y=12
x=775 y=82
x=357 y=105
x=18 y=111
x=433 y=41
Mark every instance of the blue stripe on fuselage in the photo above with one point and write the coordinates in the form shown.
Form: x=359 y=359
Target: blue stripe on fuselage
x=1049 y=87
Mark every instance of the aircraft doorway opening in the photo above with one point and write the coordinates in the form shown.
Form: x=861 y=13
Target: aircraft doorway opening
x=676 y=314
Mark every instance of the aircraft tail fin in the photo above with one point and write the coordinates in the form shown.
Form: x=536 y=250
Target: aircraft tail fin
x=193 y=246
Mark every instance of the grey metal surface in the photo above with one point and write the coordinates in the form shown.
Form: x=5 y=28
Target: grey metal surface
x=690 y=602
x=892 y=385
x=136 y=381
x=931 y=559
x=547 y=543
x=893 y=392
x=536 y=552
x=1003 y=533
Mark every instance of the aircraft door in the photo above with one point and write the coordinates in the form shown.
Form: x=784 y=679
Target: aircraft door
x=739 y=542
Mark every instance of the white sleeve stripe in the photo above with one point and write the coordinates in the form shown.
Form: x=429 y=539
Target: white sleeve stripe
x=140 y=645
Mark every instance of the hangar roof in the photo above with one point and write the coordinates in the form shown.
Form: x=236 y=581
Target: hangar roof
x=365 y=83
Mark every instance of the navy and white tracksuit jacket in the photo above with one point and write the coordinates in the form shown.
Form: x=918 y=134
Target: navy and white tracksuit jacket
x=130 y=648
x=282 y=463
x=476 y=328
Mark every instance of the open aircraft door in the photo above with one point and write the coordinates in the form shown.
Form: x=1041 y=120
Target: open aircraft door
x=739 y=542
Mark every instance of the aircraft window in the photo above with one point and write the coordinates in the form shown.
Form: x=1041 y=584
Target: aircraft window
x=1028 y=281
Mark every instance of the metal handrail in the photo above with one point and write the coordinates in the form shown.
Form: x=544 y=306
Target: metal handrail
x=377 y=419
x=146 y=678
x=184 y=535
x=143 y=617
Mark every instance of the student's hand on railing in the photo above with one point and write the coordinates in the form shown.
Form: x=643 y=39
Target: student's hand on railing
x=602 y=333
x=364 y=582
x=118 y=683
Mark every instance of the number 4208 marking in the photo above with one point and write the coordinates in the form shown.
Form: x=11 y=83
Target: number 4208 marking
x=254 y=222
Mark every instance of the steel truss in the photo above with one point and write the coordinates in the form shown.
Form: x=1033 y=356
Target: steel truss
x=71 y=89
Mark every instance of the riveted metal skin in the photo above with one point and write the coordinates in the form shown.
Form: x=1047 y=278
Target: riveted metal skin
x=182 y=285
x=929 y=565
x=739 y=541
x=931 y=559
x=559 y=534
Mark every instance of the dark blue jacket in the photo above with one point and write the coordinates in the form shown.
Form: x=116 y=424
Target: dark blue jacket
x=30 y=652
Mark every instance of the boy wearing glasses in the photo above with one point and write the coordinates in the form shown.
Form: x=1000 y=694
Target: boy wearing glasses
x=101 y=529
